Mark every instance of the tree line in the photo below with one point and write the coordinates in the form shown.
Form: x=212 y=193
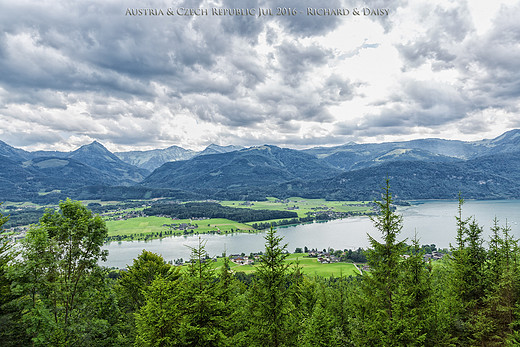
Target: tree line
x=53 y=292
x=215 y=210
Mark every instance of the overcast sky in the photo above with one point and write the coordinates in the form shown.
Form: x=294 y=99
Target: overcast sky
x=72 y=72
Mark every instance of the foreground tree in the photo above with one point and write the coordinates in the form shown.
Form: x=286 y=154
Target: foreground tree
x=272 y=310
x=134 y=284
x=6 y=255
x=10 y=332
x=395 y=295
x=183 y=312
x=468 y=281
x=59 y=277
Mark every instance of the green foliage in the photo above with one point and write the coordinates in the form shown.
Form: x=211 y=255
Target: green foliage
x=158 y=319
x=186 y=311
x=55 y=293
x=468 y=280
x=6 y=255
x=58 y=279
x=272 y=322
x=145 y=269
x=394 y=306
x=214 y=210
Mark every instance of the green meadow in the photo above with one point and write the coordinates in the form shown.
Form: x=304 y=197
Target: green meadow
x=309 y=266
x=151 y=224
x=303 y=206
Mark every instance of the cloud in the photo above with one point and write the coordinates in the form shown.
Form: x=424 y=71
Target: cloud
x=84 y=71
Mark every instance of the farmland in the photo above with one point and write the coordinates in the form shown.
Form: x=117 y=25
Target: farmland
x=309 y=266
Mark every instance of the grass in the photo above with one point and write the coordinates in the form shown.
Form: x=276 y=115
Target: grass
x=155 y=225
x=152 y=224
x=303 y=206
x=309 y=266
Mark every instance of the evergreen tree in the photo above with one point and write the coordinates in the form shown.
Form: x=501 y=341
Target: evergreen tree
x=158 y=320
x=503 y=291
x=202 y=310
x=468 y=281
x=231 y=294
x=271 y=307
x=11 y=332
x=132 y=286
x=416 y=311
x=381 y=324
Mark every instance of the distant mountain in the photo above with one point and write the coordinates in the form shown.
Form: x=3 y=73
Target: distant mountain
x=26 y=175
x=37 y=176
x=353 y=156
x=489 y=177
x=57 y=154
x=15 y=154
x=418 y=169
x=151 y=160
x=353 y=159
x=216 y=149
x=508 y=142
x=97 y=156
x=255 y=166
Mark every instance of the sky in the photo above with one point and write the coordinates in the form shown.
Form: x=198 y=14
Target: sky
x=73 y=72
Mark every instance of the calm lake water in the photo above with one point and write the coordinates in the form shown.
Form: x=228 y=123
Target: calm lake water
x=433 y=221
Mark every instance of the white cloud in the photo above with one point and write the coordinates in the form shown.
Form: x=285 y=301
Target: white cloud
x=77 y=72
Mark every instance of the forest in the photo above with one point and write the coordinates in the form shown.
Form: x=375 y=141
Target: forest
x=215 y=210
x=55 y=293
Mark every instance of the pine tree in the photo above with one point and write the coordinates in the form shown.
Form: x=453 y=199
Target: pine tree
x=202 y=311
x=271 y=307
x=157 y=321
x=468 y=281
x=380 y=321
x=416 y=311
x=503 y=286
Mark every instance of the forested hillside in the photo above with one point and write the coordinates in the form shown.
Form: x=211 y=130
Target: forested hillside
x=54 y=293
x=214 y=210
x=422 y=169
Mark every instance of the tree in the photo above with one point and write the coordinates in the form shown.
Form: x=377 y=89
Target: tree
x=381 y=285
x=468 y=281
x=10 y=332
x=134 y=283
x=144 y=270
x=416 y=311
x=271 y=307
x=58 y=274
x=6 y=255
x=157 y=321
x=504 y=286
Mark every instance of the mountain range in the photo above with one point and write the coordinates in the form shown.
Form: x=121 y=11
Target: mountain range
x=418 y=169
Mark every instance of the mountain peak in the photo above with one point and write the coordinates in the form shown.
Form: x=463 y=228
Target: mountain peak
x=508 y=136
x=216 y=149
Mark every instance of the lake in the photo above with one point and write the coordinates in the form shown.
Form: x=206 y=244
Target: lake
x=434 y=222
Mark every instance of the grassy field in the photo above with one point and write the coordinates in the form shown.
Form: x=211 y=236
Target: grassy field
x=152 y=224
x=155 y=225
x=310 y=267
x=302 y=206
